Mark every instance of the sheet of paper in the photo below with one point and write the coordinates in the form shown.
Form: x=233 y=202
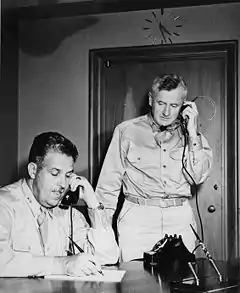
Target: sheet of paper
x=108 y=276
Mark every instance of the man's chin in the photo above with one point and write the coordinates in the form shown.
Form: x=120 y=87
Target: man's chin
x=53 y=203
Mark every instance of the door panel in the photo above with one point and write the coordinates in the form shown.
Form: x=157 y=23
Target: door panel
x=125 y=83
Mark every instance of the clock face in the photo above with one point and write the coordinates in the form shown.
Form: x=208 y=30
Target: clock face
x=162 y=28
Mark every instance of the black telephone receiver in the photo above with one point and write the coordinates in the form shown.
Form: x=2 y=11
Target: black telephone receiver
x=183 y=121
x=70 y=198
x=182 y=109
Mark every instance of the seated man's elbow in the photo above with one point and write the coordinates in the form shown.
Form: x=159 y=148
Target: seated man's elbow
x=115 y=256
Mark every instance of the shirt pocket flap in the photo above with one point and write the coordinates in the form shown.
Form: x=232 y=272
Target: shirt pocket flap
x=134 y=153
x=21 y=247
x=139 y=155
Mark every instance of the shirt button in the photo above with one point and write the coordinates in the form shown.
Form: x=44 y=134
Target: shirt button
x=164 y=166
x=164 y=150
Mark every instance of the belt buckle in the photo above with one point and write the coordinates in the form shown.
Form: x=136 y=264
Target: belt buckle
x=177 y=202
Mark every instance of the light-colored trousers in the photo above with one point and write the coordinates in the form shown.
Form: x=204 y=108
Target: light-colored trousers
x=140 y=227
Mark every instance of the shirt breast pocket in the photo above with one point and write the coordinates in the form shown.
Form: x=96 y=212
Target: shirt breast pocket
x=139 y=162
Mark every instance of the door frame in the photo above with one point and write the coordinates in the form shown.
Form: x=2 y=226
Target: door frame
x=98 y=58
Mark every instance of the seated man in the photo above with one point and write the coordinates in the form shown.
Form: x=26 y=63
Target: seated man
x=35 y=232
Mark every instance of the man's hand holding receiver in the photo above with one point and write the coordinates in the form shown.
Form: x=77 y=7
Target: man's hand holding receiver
x=86 y=191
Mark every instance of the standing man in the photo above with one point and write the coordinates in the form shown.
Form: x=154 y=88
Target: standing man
x=35 y=232
x=155 y=158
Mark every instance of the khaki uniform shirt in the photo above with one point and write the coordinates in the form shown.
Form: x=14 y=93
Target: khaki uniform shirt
x=23 y=251
x=147 y=169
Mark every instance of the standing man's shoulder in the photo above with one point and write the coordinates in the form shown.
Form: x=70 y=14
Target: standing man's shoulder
x=132 y=123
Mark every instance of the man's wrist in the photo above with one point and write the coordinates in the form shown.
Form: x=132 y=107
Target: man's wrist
x=193 y=133
x=59 y=265
x=98 y=206
x=98 y=217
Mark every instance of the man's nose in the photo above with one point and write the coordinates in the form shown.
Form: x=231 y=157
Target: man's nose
x=166 y=111
x=62 y=182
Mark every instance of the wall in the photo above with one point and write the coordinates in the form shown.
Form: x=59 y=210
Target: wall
x=22 y=3
x=8 y=93
x=53 y=83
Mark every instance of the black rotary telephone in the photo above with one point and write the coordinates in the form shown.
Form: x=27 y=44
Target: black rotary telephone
x=169 y=257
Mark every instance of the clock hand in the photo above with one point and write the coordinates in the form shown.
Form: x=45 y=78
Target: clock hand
x=166 y=30
x=162 y=32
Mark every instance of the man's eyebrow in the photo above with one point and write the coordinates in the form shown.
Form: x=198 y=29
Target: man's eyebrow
x=59 y=170
x=54 y=169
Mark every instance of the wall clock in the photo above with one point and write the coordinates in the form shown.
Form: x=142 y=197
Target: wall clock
x=162 y=28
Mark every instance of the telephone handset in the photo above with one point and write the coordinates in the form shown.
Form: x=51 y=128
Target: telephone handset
x=70 y=198
x=182 y=109
x=183 y=121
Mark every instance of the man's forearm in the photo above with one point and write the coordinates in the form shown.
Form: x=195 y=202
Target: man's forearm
x=102 y=237
x=23 y=264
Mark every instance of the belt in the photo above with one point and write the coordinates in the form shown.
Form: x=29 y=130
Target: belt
x=160 y=202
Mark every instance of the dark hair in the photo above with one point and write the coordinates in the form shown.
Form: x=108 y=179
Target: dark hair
x=168 y=82
x=51 y=141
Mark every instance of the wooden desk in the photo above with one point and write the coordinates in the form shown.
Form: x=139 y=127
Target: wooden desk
x=136 y=280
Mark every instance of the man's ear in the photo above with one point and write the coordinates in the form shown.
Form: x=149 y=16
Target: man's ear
x=32 y=170
x=150 y=99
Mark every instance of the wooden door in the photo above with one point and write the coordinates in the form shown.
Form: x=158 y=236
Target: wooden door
x=125 y=78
